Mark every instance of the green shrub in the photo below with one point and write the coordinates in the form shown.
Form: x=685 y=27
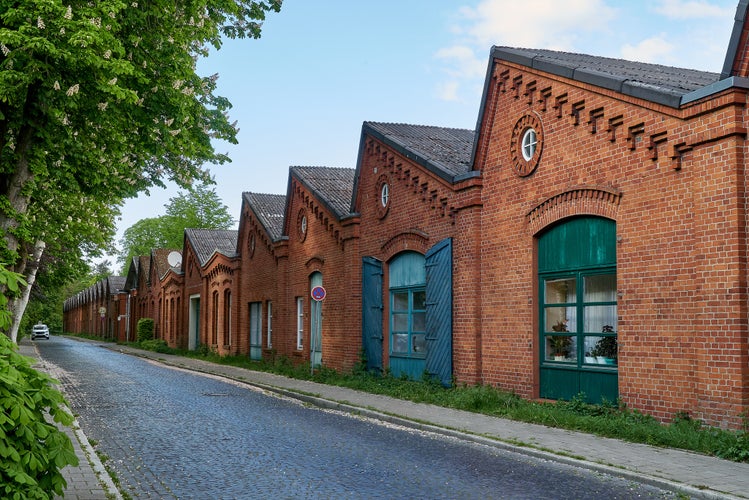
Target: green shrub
x=33 y=450
x=156 y=345
x=145 y=329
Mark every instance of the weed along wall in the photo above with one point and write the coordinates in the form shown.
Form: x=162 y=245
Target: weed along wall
x=589 y=237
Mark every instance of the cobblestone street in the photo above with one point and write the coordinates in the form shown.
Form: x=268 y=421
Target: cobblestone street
x=171 y=433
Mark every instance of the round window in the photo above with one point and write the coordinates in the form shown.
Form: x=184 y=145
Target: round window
x=528 y=147
x=383 y=194
x=526 y=144
x=301 y=224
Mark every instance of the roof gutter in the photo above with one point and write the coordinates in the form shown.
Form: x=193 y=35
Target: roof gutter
x=714 y=88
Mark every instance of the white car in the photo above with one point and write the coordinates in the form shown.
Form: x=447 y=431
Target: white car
x=40 y=330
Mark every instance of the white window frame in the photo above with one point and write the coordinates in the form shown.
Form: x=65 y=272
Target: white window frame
x=299 y=323
x=529 y=144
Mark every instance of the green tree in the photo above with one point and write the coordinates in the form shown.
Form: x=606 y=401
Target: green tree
x=100 y=101
x=33 y=450
x=141 y=238
x=198 y=207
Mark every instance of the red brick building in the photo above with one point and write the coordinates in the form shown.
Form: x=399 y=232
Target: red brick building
x=321 y=252
x=263 y=253
x=589 y=237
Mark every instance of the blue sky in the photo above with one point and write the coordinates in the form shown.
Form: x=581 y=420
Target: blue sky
x=301 y=92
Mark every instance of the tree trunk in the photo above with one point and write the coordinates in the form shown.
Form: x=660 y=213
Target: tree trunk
x=17 y=305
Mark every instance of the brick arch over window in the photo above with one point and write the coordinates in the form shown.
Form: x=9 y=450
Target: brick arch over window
x=414 y=239
x=599 y=201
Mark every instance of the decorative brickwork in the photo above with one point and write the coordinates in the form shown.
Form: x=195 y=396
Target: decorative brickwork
x=577 y=201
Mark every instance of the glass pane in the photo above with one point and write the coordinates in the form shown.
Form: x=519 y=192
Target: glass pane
x=560 y=291
x=400 y=343
x=420 y=300
x=418 y=322
x=419 y=344
x=601 y=350
x=400 y=322
x=400 y=301
x=599 y=288
x=560 y=319
x=599 y=319
x=561 y=348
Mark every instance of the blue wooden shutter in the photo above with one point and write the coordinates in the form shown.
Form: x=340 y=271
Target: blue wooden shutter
x=439 y=320
x=372 y=312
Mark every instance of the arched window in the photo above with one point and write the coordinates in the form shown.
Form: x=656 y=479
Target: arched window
x=214 y=320
x=578 y=313
x=227 y=317
x=407 y=306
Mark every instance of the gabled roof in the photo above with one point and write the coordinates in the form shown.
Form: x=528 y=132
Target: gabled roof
x=333 y=187
x=115 y=283
x=734 y=52
x=206 y=242
x=269 y=210
x=444 y=151
x=160 y=261
x=653 y=82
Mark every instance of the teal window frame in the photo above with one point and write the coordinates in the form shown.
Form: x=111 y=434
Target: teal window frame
x=583 y=341
x=415 y=315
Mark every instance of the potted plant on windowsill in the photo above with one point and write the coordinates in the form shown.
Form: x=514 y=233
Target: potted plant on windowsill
x=606 y=349
x=560 y=344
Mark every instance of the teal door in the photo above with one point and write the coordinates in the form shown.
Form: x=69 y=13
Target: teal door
x=578 y=310
x=256 y=341
x=193 y=338
x=315 y=343
x=407 y=276
x=372 y=313
x=439 y=311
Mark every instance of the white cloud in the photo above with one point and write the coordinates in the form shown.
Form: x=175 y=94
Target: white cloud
x=693 y=9
x=461 y=61
x=653 y=49
x=547 y=24
x=448 y=91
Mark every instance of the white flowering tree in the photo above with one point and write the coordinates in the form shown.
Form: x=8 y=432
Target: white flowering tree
x=100 y=100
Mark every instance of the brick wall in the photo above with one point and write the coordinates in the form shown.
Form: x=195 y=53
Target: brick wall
x=328 y=247
x=423 y=210
x=673 y=182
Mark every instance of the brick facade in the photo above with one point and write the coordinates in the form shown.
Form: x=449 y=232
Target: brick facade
x=658 y=151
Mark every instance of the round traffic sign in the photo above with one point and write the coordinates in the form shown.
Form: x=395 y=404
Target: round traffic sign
x=318 y=293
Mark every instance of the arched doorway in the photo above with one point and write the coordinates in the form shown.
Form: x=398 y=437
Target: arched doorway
x=578 y=310
x=315 y=344
x=407 y=278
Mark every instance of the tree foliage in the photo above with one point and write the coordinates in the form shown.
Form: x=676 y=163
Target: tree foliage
x=100 y=101
x=33 y=451
x=198 y=207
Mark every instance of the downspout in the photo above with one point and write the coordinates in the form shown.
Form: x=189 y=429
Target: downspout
x=127 y=318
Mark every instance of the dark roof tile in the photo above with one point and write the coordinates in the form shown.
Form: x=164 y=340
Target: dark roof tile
x=445 y=151
x=654 y=82
x=116 y=283
x=269 y=209
x=206 y=242
x=332 y=186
